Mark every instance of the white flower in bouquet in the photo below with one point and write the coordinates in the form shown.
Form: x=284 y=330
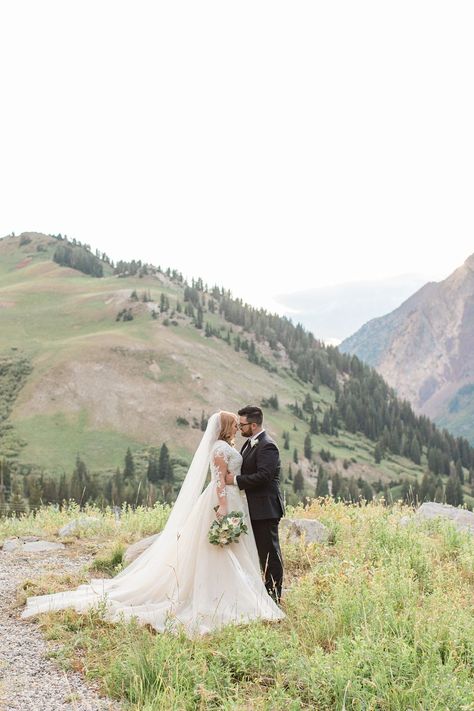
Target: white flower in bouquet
x=227 y=529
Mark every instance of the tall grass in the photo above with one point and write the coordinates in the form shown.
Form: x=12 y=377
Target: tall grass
x=131 y=524
x=380 y=619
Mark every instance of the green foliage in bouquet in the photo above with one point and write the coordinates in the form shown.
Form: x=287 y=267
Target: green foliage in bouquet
x=227 y=529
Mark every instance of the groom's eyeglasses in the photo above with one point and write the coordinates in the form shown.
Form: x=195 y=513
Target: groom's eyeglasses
x=244 y=424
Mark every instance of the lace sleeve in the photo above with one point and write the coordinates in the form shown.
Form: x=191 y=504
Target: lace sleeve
x=219 y=463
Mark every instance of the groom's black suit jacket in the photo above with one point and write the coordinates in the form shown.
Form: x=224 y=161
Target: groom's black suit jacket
x=260 y=476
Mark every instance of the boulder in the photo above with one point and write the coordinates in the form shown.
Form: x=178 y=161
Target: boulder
x=74 y=527
x=30 y=546
x=137 y=548
x=40 y=546
x=293 y=530
x=11 y=544
x=461 y=518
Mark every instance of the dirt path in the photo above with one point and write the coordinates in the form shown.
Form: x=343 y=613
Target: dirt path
x=28 y=680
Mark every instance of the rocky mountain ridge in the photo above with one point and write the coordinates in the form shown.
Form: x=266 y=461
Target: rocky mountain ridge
x=425 y=350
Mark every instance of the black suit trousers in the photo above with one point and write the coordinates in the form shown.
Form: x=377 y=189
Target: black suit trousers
x=269 y=553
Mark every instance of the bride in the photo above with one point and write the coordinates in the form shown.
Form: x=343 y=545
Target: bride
x=182 y=581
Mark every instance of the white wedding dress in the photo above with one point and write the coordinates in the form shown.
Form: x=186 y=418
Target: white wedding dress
x=182 y=581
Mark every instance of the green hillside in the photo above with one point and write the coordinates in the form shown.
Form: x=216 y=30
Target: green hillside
x=80 y=379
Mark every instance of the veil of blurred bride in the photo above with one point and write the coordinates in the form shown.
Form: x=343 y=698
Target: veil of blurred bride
x=182 y=581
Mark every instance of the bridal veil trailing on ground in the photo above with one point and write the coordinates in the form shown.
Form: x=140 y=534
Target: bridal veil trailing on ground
x=182 y=581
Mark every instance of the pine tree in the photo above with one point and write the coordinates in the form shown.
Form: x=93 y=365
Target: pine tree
x=313 y=424
x=79 y=482
x=199 y=318
x=286 y=440
x=117 y=489
x=35 y=494
x=322 y=486
x=344 y=494
x=427 y=487
x=308 y=449
x=460 y=471
x=308 y=405
x=298 y=482
x=295 y=455
x=165 y=470
x=4 y=479
x=354 y=492
x=253 y=357
x=336 y=485
x=63 y=490
x=439 y=491
x=378 y=453
x=129 y=468
x=16 y=502
x=454 y=493
x=415 y=450
x=50 y=491
x=152 y=469
x=367 y=491
x=326 y=425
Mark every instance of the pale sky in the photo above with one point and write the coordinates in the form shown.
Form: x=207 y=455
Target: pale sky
x=266 y=146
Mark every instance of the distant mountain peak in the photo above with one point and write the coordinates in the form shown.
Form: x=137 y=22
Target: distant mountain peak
x=425 y=349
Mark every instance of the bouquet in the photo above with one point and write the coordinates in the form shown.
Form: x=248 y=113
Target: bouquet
x=227 y=529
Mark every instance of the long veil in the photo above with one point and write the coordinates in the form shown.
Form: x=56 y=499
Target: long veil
x=187 y=497
x=134 y=583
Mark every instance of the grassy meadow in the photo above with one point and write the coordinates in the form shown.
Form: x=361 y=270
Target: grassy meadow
x=379 y=619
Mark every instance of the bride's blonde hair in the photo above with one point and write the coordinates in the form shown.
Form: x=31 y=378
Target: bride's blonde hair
x=227 y=418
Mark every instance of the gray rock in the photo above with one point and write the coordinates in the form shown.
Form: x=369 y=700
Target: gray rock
x=461 y=518
x=137 y=548
x=40 y=546
x=29 y=539
x=11 y=545
x=74 y=527
x=34 y=546
x=312 y=531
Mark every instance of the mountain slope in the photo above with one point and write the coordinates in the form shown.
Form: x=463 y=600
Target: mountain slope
x=424 y=349
x=138 y=358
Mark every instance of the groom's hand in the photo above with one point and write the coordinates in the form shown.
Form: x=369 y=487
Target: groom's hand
x=229 y=479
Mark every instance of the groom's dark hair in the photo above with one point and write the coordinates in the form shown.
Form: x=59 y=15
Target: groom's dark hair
x=252 y=413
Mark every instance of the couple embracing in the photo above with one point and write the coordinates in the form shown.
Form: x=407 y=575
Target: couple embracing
x=182 y=581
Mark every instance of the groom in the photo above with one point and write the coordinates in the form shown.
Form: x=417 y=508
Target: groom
x=260 y=478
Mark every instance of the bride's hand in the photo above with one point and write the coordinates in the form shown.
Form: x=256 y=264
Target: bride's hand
x=221 y=511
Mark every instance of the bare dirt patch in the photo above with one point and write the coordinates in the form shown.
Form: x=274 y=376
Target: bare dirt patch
x=23 y=263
